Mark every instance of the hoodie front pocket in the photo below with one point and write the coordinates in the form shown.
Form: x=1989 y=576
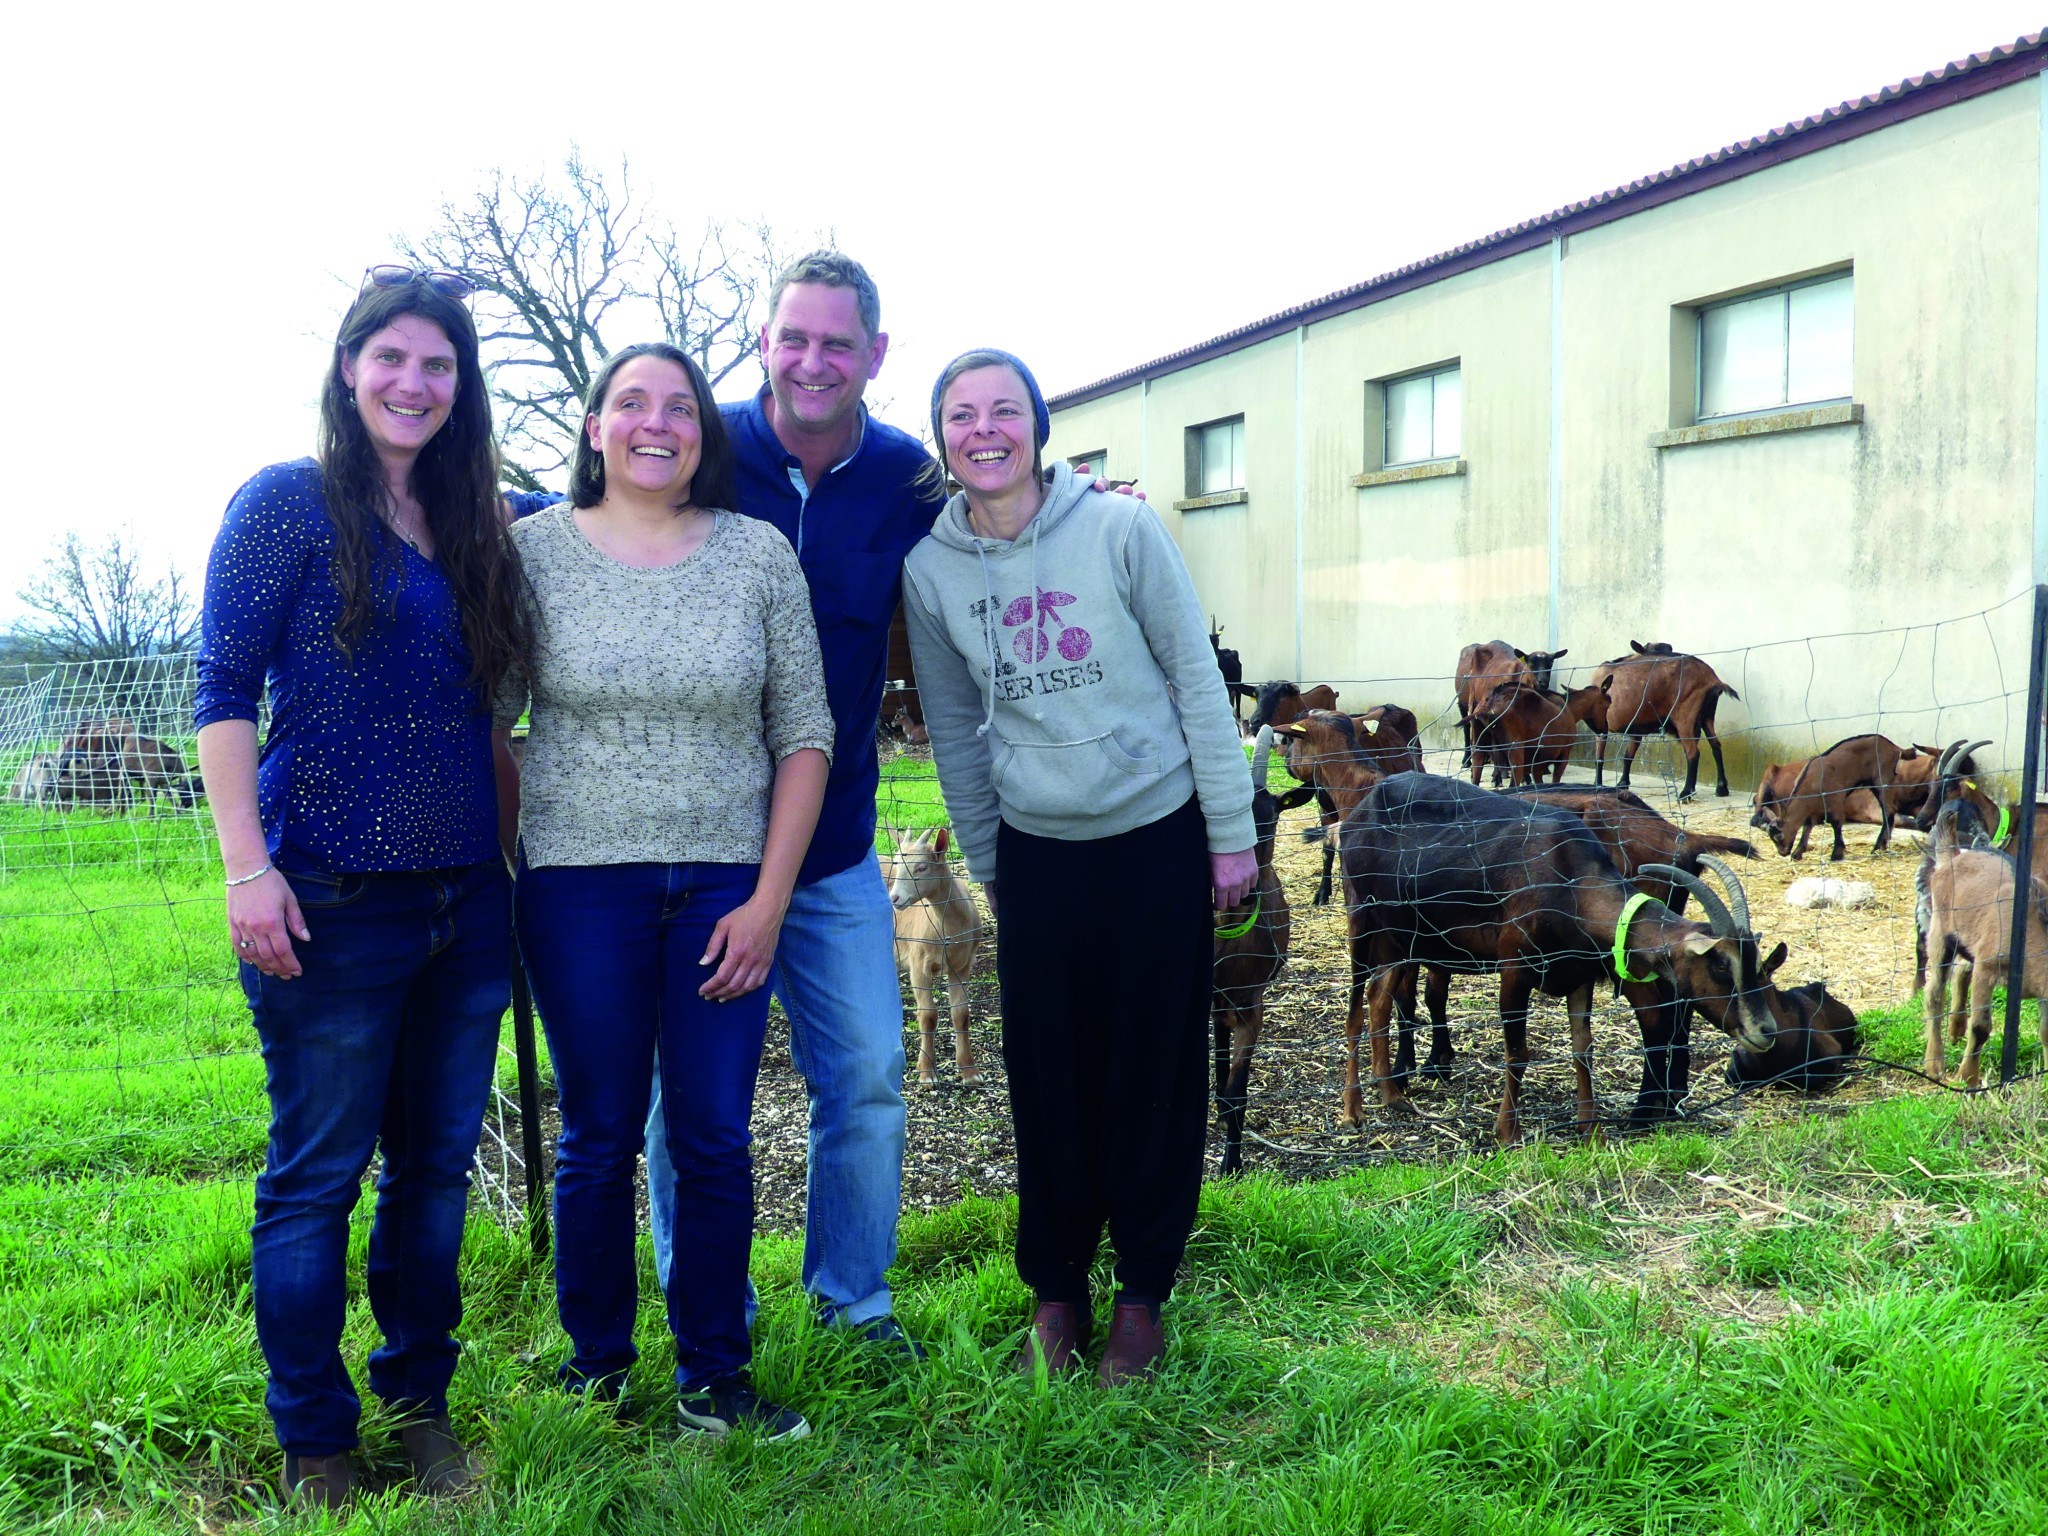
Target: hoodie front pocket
x=1069 y=778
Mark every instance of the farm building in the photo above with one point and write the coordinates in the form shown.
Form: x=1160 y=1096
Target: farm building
x=1785 y=390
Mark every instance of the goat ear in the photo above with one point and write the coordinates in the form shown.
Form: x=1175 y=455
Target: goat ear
x=1521 y=656
x=1301 y=794
x=1772 y=961
x=941 y=838
x=1700 y=943
x=1560 y=655
x=1370 y=727
x=1293 y=728
x=1636 y=646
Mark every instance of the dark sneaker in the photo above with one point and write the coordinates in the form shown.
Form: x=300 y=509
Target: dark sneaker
x=732 y=1403
x=887 y=1335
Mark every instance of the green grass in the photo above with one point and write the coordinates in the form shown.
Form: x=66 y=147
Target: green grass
x=1835 y=1321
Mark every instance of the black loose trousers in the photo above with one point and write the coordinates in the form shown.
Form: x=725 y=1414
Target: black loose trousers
x=1104 y=950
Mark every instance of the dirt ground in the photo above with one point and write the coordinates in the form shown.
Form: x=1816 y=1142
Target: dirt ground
x=959 y=1140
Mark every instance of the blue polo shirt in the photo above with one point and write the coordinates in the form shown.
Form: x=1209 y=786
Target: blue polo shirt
x=851 y=532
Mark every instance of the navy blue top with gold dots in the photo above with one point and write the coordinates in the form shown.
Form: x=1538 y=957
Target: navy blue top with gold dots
x=379 y=763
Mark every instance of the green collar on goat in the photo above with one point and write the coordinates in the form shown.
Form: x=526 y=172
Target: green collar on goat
x=1239 y=930
x=1628 y=911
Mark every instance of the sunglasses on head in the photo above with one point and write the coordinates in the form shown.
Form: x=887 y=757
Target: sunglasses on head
x=390 y=275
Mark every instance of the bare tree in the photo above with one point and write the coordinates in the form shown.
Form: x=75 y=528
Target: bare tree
x=558 y=258
x=98 y=602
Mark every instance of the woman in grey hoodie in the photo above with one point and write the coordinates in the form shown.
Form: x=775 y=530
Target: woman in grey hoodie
x=1089 y=762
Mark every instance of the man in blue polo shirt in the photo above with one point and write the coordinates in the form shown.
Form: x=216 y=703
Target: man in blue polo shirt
x=852 y=496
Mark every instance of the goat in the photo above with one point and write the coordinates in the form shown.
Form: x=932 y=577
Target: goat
x=1231 y=666
x=1323 y=751
x=1657 y=690
x=1251 y=947
x=1281 y=703
x=1969 y=919
x=158 y=768
x=937 y=930
x=1391 y=738
x=1815 y=1051
x=1636 y=836
x=91 y=763
x=1534 y=730
x=1821 y=789
x=1438 y=872
x=1485 y=666
x=902 y=715
x=36 y=784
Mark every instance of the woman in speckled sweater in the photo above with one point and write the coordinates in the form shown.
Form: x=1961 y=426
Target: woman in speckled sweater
x=676 y=762
x=373 y=591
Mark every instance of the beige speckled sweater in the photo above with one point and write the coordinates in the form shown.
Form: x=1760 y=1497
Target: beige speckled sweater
x=661 y=699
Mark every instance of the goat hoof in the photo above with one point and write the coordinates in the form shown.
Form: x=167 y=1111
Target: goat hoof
x=970 y=1077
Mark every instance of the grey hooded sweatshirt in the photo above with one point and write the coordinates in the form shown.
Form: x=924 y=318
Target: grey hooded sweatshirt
x=1067 y=677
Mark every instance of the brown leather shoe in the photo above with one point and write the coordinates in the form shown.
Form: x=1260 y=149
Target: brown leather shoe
x=439 y=1460
x=1059 y=1332
x=318 y=1482
x=1136 y=1344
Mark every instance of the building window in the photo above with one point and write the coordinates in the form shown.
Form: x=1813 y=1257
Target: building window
x=1096 y=463
x=1425 y=417
x=1217 y=455
x=1792 y=346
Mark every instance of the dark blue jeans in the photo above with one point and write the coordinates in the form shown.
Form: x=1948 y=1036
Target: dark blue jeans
x=613 y=951
x=386 y=1042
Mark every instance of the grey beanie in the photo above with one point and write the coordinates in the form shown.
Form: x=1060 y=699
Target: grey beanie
x=1040 y=414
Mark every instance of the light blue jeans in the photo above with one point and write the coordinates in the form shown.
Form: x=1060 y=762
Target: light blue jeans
x=835 y=976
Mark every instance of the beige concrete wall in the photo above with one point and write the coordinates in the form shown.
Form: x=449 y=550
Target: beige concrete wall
x=1920 y=512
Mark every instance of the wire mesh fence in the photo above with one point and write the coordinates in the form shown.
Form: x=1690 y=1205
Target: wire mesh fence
x=132 y=1114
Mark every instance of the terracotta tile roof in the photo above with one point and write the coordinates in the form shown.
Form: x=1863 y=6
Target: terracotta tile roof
x=1957 y=81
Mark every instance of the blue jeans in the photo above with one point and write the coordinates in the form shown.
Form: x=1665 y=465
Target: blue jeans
x=387 y=1041
x=613 y=951
x=835 y=975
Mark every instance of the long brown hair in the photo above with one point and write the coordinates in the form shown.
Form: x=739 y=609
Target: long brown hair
x=454 y=479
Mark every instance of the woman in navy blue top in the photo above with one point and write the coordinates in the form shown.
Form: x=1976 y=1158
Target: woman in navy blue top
x=372 y=591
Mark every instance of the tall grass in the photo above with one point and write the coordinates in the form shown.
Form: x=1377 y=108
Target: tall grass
x=1833 y=1322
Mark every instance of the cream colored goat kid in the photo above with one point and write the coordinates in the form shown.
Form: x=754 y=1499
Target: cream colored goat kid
x=937 y=930
x=1970 y=929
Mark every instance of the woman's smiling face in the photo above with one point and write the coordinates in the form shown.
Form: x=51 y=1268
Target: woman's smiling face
x=648 y=430
x=404 y=384
x=990 y=431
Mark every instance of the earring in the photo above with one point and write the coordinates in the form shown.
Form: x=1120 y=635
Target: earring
x=351 y=397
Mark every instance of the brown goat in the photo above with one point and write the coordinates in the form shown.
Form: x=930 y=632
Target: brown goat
x=1391 y=738
x=1815 y=1050
x=1281 y=702
x=902 y=716
x=1534 y=730
x=937 y=931
x=1438 y=872
x=1657 y=690
x=1821 y=790
x=1251 y=947
x=1323 y=749
x=91 y=764
x=1483 y=667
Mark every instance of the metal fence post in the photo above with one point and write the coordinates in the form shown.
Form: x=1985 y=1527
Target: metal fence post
x=529 y=1103
x=2023 y=845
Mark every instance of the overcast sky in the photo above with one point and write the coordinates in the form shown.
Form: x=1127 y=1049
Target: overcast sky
x=195 y=190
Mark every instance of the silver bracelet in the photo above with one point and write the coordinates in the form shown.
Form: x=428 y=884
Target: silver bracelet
x=255 y=875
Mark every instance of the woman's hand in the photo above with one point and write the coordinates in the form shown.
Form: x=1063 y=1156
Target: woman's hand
x=746 y=936
x=1231 y=875
x=263 y=919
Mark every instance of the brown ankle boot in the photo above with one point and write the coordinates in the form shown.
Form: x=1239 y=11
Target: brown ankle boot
x=439 y=1460
x=318 y=1482
x=1059 y=1332
x=1136 y=1344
